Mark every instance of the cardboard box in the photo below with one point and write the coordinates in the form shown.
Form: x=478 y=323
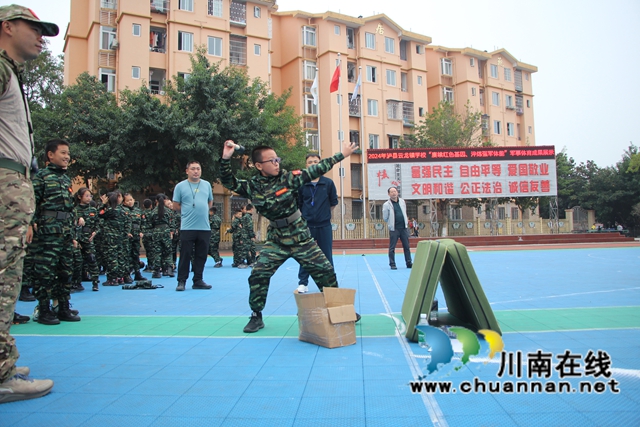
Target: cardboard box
x=327 y=318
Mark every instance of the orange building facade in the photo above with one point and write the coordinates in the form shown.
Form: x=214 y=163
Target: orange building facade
x=130 y=43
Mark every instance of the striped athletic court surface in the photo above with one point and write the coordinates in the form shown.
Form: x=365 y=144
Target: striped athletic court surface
x=163 y=358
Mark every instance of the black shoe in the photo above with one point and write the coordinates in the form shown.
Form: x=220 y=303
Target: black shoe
x=181 y=286
x=409 y=265
x=139 y=276
x=141 y=264
x=255 y=323
x=65 y=313
x=95 y=286
x=25 y=295
x=169 y=272
x=56 y=308
x=234 y=265
x=110 y=282
x=358 y=317
x=200 y=284
x=127 y=279
x=46 y=316
x=393 y=267
x=218 y=264
x=19 y=319
x=156 y=275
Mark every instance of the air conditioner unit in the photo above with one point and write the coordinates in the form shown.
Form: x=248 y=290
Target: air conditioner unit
x=115 y=44
x=309 y=124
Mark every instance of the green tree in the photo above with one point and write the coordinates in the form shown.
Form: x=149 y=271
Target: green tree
x=43 y=79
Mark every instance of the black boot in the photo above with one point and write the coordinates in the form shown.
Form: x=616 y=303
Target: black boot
x=156 y=275
x=46 y=316
x=139 y=276
x=19 y=319
x=127 y=279
x=170 y=272
x=95 y=286
x=25 y=295
x=255 y=322
x=65 y=314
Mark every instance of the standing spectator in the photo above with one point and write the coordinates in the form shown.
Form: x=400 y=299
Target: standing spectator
x=21 y=40
x=414 y=227
x=316 y=200
x=193 y=198
x=394 y=213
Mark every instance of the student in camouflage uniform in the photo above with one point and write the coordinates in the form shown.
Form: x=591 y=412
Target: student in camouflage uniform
x=214 y=244
x=124 y=243
x=249 y=234
x=136 y=233
x=21 y=40
x=274 y=194
x=84 y=254
x=147 y=232
x=160 y=219
x=53 y=222
x=113 y=232
x=237 y=237
x=175 y=238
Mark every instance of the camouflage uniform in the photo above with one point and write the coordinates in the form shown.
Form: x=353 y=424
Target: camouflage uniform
x=161 y=254
x=124 y=244
x=16 y=205
x=214 y=243
x=276 y=198
x=113 y=233
x=249 y=244
x=54 y=220
x=238 y=246
x=147 y=237
x=84 y=255
x=175 y=240
x=134 y=244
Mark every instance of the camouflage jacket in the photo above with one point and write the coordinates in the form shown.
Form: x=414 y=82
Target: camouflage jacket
x=155 y=220
x=247 y=226
x=90 y=216
x=114 y=220
x=276 y=197
x=52 y=189
x=145 y=224
x=135 y=214
x=215 y=222
x=237 y=230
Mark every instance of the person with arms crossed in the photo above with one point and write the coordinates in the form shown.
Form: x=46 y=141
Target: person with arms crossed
x=193 y=198
x=21 y=33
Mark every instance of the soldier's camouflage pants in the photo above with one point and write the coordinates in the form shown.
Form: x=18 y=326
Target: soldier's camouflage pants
x=16 y=209
x=214 y=246
x=273 y=255
x=84 y=258
x=53 y=267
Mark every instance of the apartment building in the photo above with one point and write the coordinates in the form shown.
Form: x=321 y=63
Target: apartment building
x=128 y=43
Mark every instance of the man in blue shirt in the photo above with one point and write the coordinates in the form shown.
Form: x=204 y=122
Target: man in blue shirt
x=193 y=198
x=316 y=200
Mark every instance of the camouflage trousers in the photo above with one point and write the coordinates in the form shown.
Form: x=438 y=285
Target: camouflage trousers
x=147 y=242
x=134 y=254
x=239 y=251
x=160 y=256
x=214 y=247
x=84 y=258
x=29 y=262
x=16 y=209
x=53 y=267
x=113 y=254
x=273 y=255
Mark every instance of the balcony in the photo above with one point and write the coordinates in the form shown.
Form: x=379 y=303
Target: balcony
x=108 y=4
x=519 y=111
x=238 y=13
x=510 y=107
x=160 y=6
x=354 y=106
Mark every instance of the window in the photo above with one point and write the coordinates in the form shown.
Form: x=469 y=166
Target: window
x=394 y=110
x=351 y=38
x=495 y=98
x=237 y=50
x=403 y=50
x=356 y=204
x=136 y=30
x=356 y=182
x=508 y=101
x=528 y=103
x=308 y=36
x=257 y=49
x=447 y=94
x=256 y=12
x=214 y=8
x=446 y=67
x=336 y=30
x=184 y=76
x=530 y=129
x=494 y=71
x=185 y=5
x=389 y=45
x=421 y=111
x=419 y=80
x=515 y=213
x=472 y=62
x=391 y=78
x=185 y=41
x=419 y=49
x=526 y=76
x=372 y=107
x=351 y=72
x=455 y=213
x=473 y=91
x=308 y=70
x=354 y=106
x=394 y=141
x=369 y=40
x=403 y=82
x=407 y=113
x=501 y=212
x=214 y=45
x=481 y=96
x=497 y=127
x=313 y=142
x=374 y=141
x=107 y=36
x=507 y=74
x=108 y=4
x=371 y=74
x=108 y=78
x=510 y=129
x=135 y=72
x=309 y=106
x=354 y=136
x=518 y=131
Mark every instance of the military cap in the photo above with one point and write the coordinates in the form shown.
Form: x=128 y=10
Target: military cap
x=14 y=11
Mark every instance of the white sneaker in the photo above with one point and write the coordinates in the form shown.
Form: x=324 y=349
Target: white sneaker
x=20 y=387
x=303 y=289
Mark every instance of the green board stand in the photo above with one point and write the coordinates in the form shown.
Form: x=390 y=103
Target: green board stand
x=446 y=262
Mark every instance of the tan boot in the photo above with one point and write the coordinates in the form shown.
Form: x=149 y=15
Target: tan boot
x=20 y=387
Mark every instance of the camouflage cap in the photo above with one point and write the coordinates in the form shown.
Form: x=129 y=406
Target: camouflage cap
x=14 y=11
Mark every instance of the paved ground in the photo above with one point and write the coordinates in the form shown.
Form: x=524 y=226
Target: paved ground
x=158 y=357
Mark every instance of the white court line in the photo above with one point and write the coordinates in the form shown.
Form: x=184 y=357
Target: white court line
x=435 y=413
x=566 y=295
